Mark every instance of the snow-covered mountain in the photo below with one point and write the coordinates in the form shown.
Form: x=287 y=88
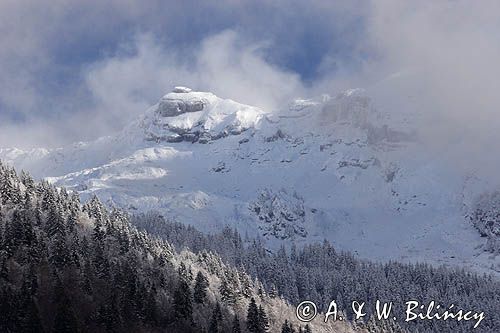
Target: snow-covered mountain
x=333 y=167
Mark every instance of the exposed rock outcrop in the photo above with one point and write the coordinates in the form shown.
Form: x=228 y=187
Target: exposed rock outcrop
x=281 y=215
x=171 y=107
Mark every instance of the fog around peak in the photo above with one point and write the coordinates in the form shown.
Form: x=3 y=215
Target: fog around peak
x=61 y=82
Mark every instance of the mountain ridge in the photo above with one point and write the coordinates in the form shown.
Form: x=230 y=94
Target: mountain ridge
x=362 y=178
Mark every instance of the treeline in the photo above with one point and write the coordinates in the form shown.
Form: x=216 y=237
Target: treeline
x=319 y=273
x=72 y=267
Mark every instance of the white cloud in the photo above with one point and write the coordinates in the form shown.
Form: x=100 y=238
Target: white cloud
x=446 y=53
x=126 y=85
x=451 y=51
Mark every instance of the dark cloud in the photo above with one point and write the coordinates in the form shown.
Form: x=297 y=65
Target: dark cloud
x=48 y=47
x=64 y=63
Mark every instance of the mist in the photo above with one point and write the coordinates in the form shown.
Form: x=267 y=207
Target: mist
x=436 y=59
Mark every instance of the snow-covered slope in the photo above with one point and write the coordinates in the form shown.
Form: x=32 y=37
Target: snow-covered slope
x=329 y=167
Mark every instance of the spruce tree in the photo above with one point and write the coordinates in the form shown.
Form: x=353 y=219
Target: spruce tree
x=54 y=225
x=59 y=255
x=6 y=188
x=285 y=328
x=65 y=320
x=100 y=260
x=227 y=289
x=263 y=320
x=108 y=315
x=215 y=320
x=182 y=301
x=200 y=288
x=11 y=237
x=4 y=272
x=185 y=273
x=253 y=324
x=29 y=317
x=31 y=322
x=236 y=328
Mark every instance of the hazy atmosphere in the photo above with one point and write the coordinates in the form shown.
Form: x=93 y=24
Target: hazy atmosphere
x=249 y=166
x=104 y=63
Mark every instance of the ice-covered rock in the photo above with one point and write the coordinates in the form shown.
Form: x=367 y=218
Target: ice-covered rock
x=170 y=107
x=345 y=165
x=181 y=89
x=486 y=218
x=197 y=117
x=281 y=214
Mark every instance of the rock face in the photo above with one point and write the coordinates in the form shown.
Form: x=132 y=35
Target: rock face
x=179 y=102
x=354 y=108
x=201 y=117
x=486 y=219
x=348 y=176
x=174 y=107
x=281 y=215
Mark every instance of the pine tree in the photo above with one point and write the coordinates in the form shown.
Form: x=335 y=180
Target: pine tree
x=98 y=234
x=30 y=283
x=72 y=220
x=285 y=328
x=31 y=322
x=28 y=201
x=27 y=180
x=100 y=260
x=263 y=320
x=273 y=292
x=200 y=288
x=12 y=235
x=4 y=272
x=65 y=319
x=59 y=255
x=38 y=214
x=85 y=283
x=182 y=301
x=6 y=188
x=185 y=273
x=96 y=210
x=215 y=320
x=149 y=310
x=29 y=317
x=108 y=315
x=228 y=288
x=54 y=225
x=236 y=328
x=8 y=319
x=246 y=284
x=124 y=240
x=253 y=324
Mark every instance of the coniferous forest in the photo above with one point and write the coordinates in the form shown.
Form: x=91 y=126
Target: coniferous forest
x=72 y=267
x=246 y=166
x=319 y=273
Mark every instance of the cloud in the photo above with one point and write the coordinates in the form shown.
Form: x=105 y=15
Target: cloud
x=55 y=56
x=449 y=54
x=120 y=86
x=73 y=63
x=125 y=85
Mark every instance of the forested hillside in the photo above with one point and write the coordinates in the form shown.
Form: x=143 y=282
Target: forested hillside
x=68 y=267
x=319 y=273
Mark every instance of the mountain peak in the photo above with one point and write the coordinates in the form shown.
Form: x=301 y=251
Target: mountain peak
x=181 y=89
x=195 y=116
